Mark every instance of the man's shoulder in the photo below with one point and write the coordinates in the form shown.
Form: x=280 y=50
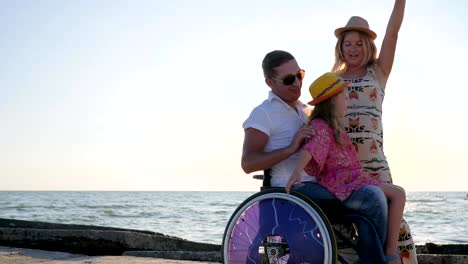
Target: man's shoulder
x=266 y=106
x=258 y=117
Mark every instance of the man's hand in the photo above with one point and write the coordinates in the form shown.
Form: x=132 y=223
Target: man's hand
x=298 y=140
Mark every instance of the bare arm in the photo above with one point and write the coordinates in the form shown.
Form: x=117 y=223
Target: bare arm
x=254 y=158
x=296 y=176
x=387 y=51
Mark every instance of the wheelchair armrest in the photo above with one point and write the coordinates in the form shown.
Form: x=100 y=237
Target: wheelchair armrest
x=258 y=177
x=266 y=178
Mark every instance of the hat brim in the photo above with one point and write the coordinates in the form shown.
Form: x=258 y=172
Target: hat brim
x=367 y=31
x=329 y=95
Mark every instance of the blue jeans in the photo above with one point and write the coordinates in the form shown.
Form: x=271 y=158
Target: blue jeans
x=369 y=202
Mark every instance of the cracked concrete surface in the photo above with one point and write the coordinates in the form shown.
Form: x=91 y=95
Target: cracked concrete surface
x=10 y=255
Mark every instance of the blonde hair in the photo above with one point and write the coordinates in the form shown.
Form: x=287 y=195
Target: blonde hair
x=326 y=111
x=369 y=48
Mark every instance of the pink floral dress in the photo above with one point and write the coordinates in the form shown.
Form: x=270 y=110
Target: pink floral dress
x=336 y=167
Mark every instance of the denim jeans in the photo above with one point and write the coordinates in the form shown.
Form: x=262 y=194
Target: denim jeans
x=369 y=202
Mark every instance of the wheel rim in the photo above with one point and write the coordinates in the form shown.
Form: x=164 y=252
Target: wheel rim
x=283 y=215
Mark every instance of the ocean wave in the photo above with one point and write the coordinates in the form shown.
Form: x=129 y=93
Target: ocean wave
x=425 y=200
x=225 y=204
x=97 y=206
x=18 y=207
x=113 y=213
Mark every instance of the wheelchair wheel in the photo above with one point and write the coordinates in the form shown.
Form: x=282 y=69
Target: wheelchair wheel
x=274 y=227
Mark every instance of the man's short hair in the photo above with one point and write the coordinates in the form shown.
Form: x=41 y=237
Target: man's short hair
x=274 y=59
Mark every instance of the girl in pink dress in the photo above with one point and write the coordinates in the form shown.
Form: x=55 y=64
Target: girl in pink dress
x=332 y=158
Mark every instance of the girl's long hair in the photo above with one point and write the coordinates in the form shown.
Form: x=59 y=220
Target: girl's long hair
x=325 y=111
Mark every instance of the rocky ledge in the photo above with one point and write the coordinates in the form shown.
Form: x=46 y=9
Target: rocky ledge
x=100 y=241
x=108 y=241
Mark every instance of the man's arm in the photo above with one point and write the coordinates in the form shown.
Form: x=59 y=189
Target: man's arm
x=254 y=158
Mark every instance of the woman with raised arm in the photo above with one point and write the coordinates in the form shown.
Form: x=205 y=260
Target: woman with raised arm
x=356 y=62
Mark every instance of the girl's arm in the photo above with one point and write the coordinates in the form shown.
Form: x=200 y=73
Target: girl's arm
x=387 y=51
x=296 y=176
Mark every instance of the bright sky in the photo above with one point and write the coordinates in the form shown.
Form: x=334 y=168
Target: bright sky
x=151 y=95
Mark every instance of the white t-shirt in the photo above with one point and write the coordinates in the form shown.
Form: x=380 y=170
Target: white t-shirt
x=280 y=122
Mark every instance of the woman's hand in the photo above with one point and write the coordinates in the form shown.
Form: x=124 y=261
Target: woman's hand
x=294 y=179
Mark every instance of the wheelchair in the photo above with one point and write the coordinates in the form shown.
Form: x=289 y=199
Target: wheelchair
x=272 y=227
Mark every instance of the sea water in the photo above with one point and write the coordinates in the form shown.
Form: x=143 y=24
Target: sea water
x=438 y=217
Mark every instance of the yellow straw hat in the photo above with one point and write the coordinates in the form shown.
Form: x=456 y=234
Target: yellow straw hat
x=359 y=24
x=325 y=86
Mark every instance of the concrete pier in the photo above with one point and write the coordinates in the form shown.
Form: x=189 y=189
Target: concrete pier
x=33 y=256
x=101 y=241
x=24 y=242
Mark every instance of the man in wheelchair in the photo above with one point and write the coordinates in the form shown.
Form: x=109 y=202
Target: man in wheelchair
x=276 y=130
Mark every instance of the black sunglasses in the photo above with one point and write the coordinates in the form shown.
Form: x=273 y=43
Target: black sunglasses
x=291 y=78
